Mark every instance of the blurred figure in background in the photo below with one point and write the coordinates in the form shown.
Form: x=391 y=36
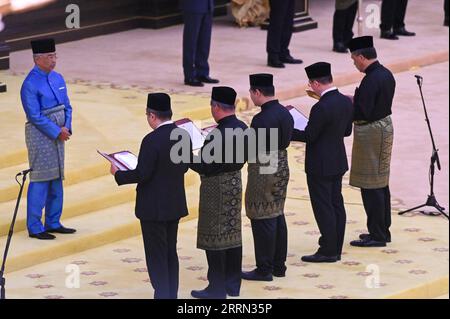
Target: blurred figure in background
x=344 y=18
x=393 y=19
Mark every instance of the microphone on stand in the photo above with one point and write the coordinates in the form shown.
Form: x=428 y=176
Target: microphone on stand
x=419 y=79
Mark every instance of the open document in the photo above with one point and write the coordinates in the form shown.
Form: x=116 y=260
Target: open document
x=123 y=160
x=197 y=137
x=300 y=120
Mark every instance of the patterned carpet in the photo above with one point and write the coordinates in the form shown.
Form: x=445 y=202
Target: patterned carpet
x=417 y=258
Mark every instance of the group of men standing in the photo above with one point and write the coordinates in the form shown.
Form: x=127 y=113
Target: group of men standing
x=219 y=224
x=161 y=197
x=198 y=18
x=393 y=13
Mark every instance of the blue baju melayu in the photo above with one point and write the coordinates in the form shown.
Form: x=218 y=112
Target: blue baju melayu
x=47 y=107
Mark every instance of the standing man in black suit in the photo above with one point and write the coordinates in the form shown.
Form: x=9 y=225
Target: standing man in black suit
x=373 y=138
x=160 y=198
x=219 y=230
x=330 y=120
x=393 y=14
x=198 y=19
x=280 y=33
x=266 y=191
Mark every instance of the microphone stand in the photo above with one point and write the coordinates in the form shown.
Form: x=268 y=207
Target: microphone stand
x=10 y=234
x=431 y=200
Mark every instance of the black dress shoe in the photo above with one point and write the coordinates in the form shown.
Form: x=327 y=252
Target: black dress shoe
x=207 y=79
x=340 y=47
x=193 y=82
x=275 y=63
x=256 y=276
x=404 y=32
x=205 y=294
x=279 y=274
x=290 y=60
x=367 y=237
x=367 y=243
x=388 y=35
x=43 y=236
x=62 y=230
x=233 y=293
x=318 y=258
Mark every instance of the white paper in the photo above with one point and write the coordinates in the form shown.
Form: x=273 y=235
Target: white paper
x=128 y=159
x=300 y=121
x=194 y=132
x=114 y=161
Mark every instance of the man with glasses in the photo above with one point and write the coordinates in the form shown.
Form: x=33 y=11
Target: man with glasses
x=49 y=126
x=329 y=122
x=373 y=141
x=160 y=194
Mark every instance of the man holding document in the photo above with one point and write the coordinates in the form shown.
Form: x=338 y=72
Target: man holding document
x=219 y=220
x=326 y=160
x=161 y=198
x=267 y=183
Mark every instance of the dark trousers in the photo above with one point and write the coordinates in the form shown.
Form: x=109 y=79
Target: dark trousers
x=196 y=44
x=160 y=244
x=343 y=24
x=446 y=10
x=224 y=271
x=377 y=204
x=329 y=211
x=280 y=28
x=393 y=14
x=270 y=240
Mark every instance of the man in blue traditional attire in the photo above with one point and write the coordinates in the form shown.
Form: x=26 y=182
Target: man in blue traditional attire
x=49 y=126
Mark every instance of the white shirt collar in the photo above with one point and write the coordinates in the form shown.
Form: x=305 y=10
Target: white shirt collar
x=164 y=123
x=329 y=90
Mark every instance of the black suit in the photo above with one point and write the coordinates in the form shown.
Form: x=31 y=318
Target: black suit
x=224 y=265
x=326 y=162
x=270 y=234
x=198 y=17
x=280 y=28
x=373 y=102
x=160 y=203
x=393 y=14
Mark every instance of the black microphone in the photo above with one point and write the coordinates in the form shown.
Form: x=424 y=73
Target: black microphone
x=419 y=78
x=25 y=172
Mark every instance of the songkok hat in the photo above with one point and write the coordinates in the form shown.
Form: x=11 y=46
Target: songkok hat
x=261 y=80
x=158 y=102
x=360 y=43
x=43 y=46
x=224 y=94
x=318 y=70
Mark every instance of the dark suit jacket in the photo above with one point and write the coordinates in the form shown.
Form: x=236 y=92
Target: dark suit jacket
x=160 y=183
x=329 y=122
x=197 y=6
x=274 y=115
